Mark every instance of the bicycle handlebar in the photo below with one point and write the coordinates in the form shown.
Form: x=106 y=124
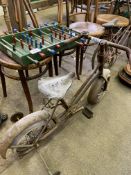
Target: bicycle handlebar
x=109 y=43
x=97 y=40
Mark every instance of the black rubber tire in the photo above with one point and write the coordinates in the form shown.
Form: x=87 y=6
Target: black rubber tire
x=99 y=86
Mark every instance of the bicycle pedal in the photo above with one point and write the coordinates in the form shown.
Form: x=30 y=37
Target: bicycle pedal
x=87 y=112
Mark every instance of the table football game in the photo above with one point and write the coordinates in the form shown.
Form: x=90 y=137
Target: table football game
x=35 y=44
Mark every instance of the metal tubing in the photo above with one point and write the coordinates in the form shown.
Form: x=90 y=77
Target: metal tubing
x=83 y=87
x=79 y=96
x=117 y=46
x=47 y=122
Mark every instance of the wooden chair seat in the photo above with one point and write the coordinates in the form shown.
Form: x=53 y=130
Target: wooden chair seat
x=127 y=69
x=92 y=28
x=104 y=18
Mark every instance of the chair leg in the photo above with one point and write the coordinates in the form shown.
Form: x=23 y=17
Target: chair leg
x=3 y=83
x=40 y=69
x=27 y=73
x=60 y=58
x=55 y=64
x=26 y=90
x=50 y=69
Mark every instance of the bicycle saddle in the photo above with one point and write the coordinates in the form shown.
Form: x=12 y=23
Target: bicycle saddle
x=55 y=87
x=110 y=23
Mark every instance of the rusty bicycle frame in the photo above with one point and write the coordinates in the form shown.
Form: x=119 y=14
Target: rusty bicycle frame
x=121 y=37
x=70 y=108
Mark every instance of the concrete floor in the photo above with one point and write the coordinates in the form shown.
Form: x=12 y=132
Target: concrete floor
x=99 y=146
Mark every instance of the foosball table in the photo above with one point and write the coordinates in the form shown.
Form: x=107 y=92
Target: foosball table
x=33 y=48
x=34 y=44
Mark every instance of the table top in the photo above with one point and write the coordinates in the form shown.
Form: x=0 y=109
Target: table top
x=7 y=62
x=92 y=28
x=122 y=21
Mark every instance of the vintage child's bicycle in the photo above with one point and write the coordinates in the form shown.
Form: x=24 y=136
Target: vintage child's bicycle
x=25 y=135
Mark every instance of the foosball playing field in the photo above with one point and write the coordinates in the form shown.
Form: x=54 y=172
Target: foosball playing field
x=35 y=44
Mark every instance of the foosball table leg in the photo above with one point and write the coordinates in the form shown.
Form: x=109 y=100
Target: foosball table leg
x=50 y=69
x=55 y=64
x=26 y=90
x=3 y=83
x=81 y=60
x=77 y=62
x=60 y=58
x=40 y=69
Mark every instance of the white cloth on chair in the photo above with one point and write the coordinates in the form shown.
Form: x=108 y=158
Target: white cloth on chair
x=55 y=87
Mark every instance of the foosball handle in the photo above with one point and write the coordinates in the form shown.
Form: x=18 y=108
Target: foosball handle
x=42 y=55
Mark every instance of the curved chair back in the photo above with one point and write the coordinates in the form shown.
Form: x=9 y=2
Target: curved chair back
x=77 y=10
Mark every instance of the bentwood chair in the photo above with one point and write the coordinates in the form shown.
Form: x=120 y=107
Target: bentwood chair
x=109 y=16
x=77 y=19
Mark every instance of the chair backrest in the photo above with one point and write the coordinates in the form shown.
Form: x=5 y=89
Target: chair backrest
x=102 y=7
x=77 y=10
x=4 y=5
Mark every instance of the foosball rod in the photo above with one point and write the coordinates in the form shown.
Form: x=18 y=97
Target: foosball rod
x=41 y=54
x=15 y=38
x=59 y=31
x=69 y=39
x=38 y=35
x=32 y=33
x=20 y=41
x=44 y=34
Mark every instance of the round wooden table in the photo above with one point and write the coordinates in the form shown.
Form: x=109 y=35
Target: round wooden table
x=23 y=76
x=104 y=18
x=92 y=29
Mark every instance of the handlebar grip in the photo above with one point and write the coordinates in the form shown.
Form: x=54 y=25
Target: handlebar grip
x=96 y=40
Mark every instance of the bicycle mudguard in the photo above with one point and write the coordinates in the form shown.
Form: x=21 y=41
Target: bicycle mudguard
x=18 y=127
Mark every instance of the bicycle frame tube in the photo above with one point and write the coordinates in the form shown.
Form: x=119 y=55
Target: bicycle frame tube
x=96 y=73
x=82 y=90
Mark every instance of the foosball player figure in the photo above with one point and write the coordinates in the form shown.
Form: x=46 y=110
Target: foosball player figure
x=42 y=38
x=22 y=44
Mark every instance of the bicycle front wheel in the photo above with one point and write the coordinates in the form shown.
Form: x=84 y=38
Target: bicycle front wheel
x=23 y=143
